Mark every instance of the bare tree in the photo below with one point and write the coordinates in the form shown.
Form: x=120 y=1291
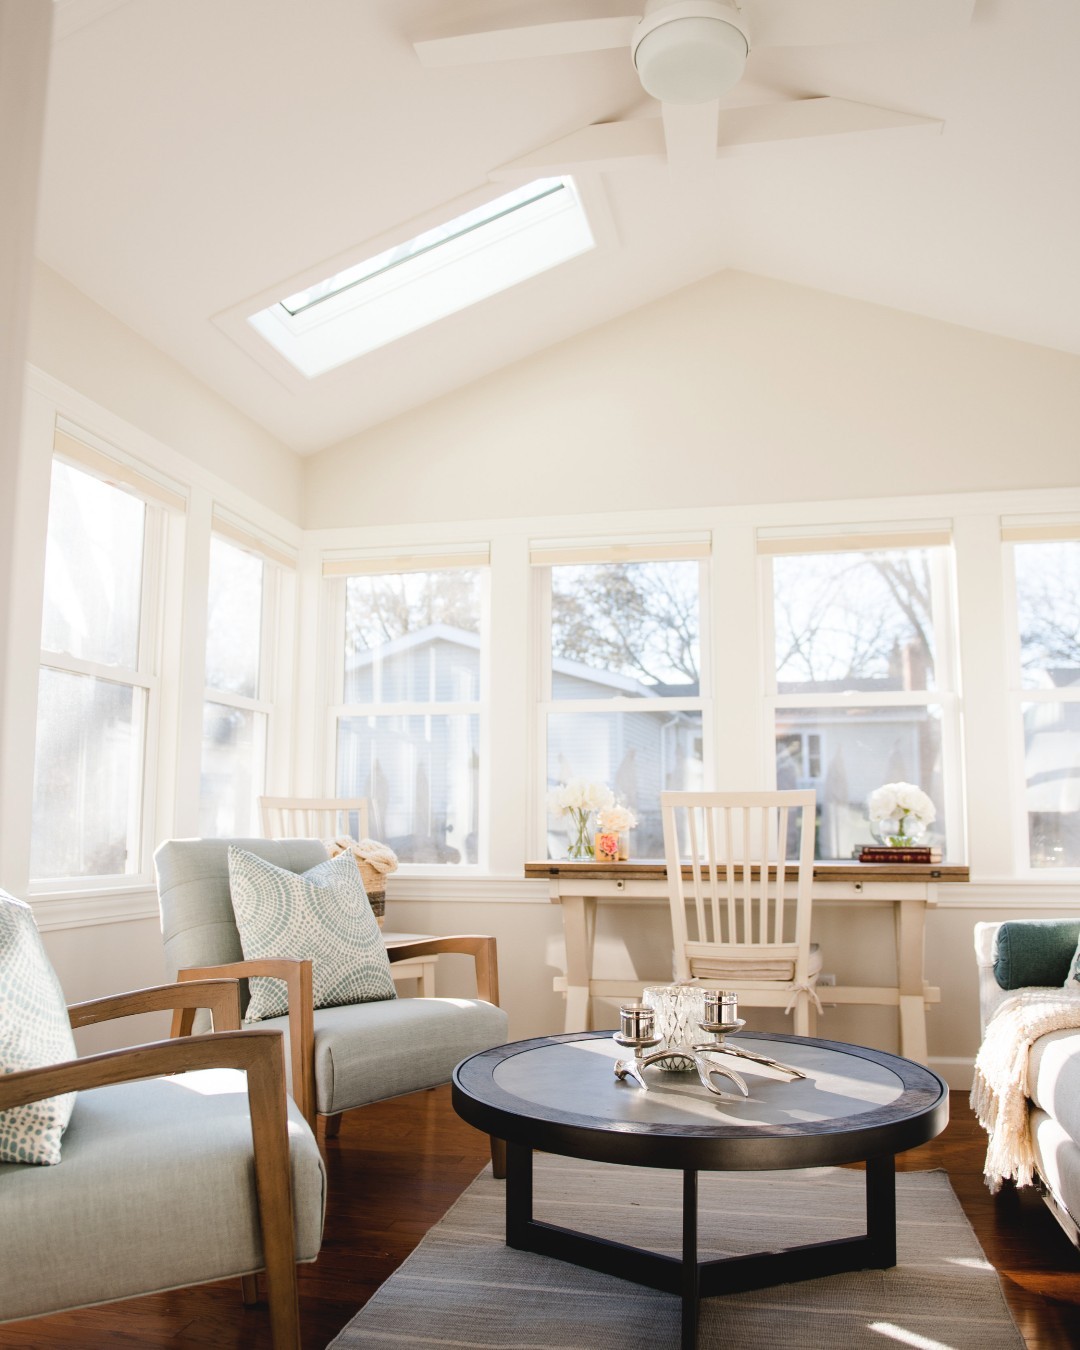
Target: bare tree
x=638 y=619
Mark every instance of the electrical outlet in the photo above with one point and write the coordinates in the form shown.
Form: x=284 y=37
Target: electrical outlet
x=826 y=981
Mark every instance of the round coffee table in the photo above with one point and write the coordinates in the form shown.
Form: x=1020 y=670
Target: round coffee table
x=559 y=1094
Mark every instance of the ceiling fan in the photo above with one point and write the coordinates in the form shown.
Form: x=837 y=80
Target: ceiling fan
x=688 y=54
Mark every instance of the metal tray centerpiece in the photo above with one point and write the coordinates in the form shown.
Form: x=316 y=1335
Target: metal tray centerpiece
x=666 y=1016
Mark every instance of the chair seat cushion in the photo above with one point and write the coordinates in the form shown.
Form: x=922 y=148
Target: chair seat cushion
x=367 y=1052
x=754 y=967
x=156 y=1190
x=1054 y=1078
x=323 y=916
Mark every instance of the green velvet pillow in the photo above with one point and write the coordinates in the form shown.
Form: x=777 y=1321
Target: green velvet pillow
x=1035 y=951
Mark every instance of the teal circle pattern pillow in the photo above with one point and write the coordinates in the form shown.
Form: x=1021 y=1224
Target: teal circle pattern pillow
x=34 y=1031
x=321 y=915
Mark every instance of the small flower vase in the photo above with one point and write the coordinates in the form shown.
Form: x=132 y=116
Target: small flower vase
x=579 y=841
x=624 y=845
x=606 y=847
x=899 y=831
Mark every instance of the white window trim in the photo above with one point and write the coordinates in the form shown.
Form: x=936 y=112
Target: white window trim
x=335 y=572
x=1018 y=695
x=144 y=676
x=944 y=696
x=585 y=550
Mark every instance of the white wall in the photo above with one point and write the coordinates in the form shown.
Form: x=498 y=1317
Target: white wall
x=734 y=390
x=24 y=55
x=88 y=349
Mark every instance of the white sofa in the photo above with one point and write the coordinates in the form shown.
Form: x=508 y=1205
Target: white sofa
x=1036 y=954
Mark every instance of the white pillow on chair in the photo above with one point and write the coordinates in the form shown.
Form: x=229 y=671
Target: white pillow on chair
x=321 y=915
x=34 y=1031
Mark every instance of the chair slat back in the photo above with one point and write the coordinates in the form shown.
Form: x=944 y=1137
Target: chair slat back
x=314 y=817
x=732 y=858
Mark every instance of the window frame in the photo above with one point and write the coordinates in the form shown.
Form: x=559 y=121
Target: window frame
x=691 y=547
x=946 y=693
x=265 y=702
x=145 y=676
x=1018 y=694
x=336 y=574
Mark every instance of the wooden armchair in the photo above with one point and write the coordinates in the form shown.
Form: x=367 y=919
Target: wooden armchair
x=338 y=1057
x=164 y=1181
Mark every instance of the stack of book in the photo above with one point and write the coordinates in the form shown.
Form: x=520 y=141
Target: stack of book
x=888 y=853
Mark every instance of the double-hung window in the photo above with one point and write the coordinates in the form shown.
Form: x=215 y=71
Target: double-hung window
x=407 y=725
x=622 y=675
x=98 y=682
x=238 y=701
x=1046 y=687
x=860 y=675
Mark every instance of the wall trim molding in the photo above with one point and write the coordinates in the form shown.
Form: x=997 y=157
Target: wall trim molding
x=88 y=910
x=52 y=912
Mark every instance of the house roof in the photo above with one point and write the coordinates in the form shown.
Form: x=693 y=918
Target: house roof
x=203 y=157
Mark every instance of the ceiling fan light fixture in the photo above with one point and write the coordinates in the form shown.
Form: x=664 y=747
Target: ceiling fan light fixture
x=690 y=52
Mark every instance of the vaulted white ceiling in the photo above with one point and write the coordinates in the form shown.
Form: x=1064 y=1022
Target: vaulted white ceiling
x=203 y=154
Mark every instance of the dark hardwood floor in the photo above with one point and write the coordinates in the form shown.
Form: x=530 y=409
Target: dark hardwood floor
x=396 y=1168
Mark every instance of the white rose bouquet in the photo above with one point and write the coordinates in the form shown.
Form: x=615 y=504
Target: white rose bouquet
x=616 y=819
x=578 y=799
x=900 y=813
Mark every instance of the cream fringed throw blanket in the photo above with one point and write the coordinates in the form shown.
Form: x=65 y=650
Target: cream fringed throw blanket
x=999 y=1094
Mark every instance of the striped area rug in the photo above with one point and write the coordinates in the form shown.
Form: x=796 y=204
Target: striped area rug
x=463 y=1288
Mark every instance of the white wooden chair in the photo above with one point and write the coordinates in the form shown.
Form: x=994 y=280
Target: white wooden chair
x=730 y=860
x=313 y=817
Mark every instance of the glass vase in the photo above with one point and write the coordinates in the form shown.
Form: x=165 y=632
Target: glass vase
x=899 y=831
x=579 y=841
x=679 y=1009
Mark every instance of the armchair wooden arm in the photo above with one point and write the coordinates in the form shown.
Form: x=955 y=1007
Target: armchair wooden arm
x=301 y=1006
x=220 y=997
x=481 y=949
x=259 y=1054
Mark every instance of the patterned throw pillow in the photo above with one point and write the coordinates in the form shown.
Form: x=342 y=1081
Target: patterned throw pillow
x=1072 y=980
x=34 y=1031
x=321 y=915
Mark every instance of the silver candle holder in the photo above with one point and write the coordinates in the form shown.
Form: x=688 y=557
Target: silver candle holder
x=721 y=1018
x=637 y=1027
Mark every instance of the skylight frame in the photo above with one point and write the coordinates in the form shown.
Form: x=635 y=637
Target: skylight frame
x=439 y=272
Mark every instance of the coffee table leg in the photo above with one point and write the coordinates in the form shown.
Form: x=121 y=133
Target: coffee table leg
x=881 y=1211
x=690 y=1273
x=519 y=1194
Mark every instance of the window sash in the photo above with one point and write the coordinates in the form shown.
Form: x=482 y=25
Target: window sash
x=145 y=678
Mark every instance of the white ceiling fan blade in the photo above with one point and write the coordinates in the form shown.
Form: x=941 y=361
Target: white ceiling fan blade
x=544 y=39
x=807 y=118
x=690 y=132
x=595 y=149
x=815 y=23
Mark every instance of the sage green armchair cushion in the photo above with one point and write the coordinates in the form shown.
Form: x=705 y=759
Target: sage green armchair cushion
x=156 y=1190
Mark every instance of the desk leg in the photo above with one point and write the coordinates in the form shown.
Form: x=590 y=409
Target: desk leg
x=579 y=928
x=910 y=977
x=691 y=1272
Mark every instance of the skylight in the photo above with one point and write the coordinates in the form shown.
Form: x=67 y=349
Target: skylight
x=441 y=271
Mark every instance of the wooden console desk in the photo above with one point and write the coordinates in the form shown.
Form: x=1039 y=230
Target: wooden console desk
x=910 y=890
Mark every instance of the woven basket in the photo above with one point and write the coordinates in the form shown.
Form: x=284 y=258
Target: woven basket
x=375 y=885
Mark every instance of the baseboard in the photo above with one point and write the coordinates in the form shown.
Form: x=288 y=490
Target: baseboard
x=957 y=1072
